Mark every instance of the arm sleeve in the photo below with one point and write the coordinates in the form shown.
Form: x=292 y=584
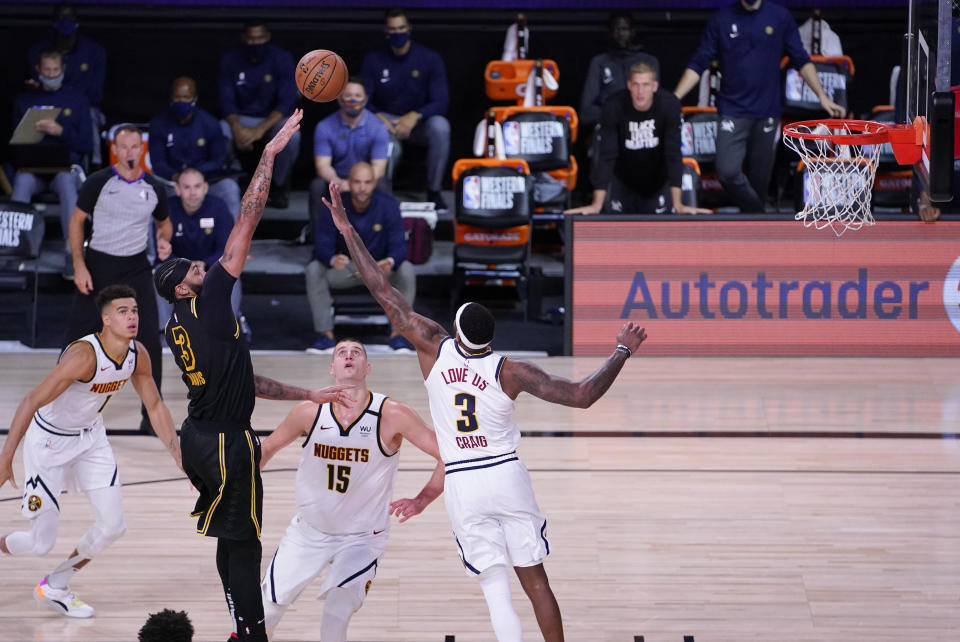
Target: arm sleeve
x=287 y=85
x=438 y=92
x=792 y=44
x=160 y=212
x=98 y=73
x=222 y=225
x=325 y=238
x=90 y=190
x=707 y=51
x=78 y=130
x=321 y=143
x=590 y=99
x=228 y=97
x=671 y=141
x=381 y=139
x=158 y=151
x=213 y=304
x=397 y=242
x=368 y=73
x=608 y=143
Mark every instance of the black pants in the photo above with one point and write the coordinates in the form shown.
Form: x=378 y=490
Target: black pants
x=223 y=463
x=753 y=141
x=621 y=199
x=106 y=269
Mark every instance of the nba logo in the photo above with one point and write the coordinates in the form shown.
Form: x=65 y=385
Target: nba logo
x=686 y=139
x=471 y=193
x=511 y=138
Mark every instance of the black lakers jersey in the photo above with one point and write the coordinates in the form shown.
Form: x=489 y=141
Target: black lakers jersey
x=207 y=345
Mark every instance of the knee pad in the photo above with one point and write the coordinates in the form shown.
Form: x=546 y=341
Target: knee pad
x=99 y=536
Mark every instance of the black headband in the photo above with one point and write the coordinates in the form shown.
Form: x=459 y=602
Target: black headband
x=169 y=275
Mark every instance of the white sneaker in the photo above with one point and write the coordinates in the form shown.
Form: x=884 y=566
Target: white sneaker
x=64 y=601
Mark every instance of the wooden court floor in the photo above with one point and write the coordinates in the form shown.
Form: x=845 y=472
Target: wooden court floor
x=792 y=500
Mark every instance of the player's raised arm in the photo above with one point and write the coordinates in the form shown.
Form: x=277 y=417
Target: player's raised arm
x=267 y=388
x=158 y=412
x=518 y=376
x=295 y=424
x=251 y=208
x=402 y=421
x=425 y=334
x=78 y=362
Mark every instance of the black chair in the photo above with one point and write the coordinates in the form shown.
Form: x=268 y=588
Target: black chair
x=21 y=234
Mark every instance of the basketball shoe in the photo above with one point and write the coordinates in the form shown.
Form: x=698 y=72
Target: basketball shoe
x=64 y=601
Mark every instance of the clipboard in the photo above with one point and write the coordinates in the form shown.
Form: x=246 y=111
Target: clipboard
x=26 y=132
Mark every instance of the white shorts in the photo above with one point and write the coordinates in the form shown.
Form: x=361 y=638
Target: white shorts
x=495 y=517
x=53 y=464
x=303 y=554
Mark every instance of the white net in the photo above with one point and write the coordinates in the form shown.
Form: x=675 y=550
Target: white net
x=838 y=181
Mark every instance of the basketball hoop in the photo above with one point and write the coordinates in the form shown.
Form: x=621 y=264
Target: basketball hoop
x=840 y=157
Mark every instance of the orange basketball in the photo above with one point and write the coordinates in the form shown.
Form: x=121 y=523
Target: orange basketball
x=321 y=75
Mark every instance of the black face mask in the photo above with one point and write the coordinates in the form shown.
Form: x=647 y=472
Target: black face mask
x=256 y=52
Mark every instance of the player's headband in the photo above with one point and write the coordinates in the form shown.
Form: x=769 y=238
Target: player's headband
x=169 y=275
x=464 y=339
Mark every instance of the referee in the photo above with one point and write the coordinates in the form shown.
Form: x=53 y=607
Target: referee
x=122 y=200
x=221 y=453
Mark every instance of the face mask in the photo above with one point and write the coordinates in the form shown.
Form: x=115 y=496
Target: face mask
x=65 y=27
x=352 y=107
x=255 y=52
x=182 y=110
x=51 y=84
x=398 y=40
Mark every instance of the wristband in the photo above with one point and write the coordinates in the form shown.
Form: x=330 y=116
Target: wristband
x=624 y=349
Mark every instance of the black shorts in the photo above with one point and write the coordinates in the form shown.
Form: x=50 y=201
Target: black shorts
x=224 y=465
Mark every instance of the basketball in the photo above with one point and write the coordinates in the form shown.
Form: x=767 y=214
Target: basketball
x=321 y=75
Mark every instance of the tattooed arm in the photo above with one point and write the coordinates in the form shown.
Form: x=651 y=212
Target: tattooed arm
x=518 y=376
x=251 y=208
x=425 y=334
x=267 y=388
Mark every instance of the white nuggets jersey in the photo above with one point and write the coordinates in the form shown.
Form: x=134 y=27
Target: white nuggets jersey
x=78 y=407
x=345 y=478
x=471 y=413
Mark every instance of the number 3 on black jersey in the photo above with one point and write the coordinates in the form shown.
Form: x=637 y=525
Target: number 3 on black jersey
x=181 y=338
x=468 y=405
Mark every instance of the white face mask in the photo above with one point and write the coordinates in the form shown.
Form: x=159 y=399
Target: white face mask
x=51 y=84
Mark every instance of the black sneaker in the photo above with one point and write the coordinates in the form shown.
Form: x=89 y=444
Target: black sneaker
x=439 y=205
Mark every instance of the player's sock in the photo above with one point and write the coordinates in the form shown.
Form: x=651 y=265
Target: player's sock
x=495 y=584
x=59 y=578
x=338 y=607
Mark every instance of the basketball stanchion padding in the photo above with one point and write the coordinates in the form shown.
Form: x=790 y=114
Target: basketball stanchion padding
x=840 y=158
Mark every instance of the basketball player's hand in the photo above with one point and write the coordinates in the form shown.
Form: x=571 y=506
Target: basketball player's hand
x=631 y=335
x=291 y=127
x=832 y=108
x=339 y=261
x=82 y=279
x=406 y=508
x=6 y=471
x=690 y=209
x=164 y=249
x=584 y=209
x=386 y=264
x=331 y=393
x=335 y=205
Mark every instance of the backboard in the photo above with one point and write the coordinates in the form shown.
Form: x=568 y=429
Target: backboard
x=926 y=91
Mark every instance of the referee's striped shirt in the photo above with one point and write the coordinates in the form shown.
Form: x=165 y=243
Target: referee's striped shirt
x=121 y=210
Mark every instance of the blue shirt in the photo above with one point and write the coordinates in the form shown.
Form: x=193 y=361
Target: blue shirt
x=86 y=66
x=200 y=236
x=346 y=146
x=749 y=46
x=256 y=89
x=380 y=228
x=416 y=81
x=74 y=117
x=198 y=143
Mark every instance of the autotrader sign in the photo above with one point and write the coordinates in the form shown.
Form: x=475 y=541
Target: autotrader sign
x=711 y=288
